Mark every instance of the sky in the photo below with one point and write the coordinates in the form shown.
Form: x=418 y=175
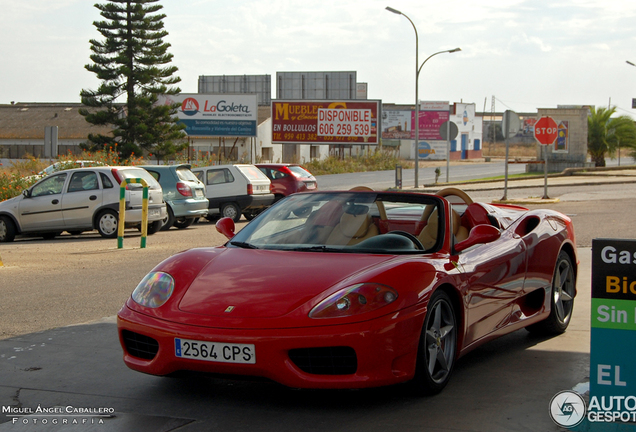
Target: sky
x=527 y=54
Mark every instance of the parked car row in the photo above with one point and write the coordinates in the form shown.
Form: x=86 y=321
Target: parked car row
x=183 y=193
x=85 y=199
x=79 y=200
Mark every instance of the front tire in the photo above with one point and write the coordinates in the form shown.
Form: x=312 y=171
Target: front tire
x=561 y=299
x=107 y=223
x=182 y=223
x=438 y=346
x=7 y=230
x=154 y=227
x=169 y=220
x=231 y=210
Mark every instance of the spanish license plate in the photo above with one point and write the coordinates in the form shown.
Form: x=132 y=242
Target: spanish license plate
x=215 y=351
x=154 y=212
x=198 y=193
x=311 y=185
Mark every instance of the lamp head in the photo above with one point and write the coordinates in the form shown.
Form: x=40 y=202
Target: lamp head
x=395 y=11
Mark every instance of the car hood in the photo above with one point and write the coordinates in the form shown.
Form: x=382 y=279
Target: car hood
x=6 y=204
x=242 y=283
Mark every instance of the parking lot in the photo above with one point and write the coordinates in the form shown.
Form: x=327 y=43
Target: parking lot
x=59 y=347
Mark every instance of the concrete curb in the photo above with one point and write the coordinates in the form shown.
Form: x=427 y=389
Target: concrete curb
x=527 y=201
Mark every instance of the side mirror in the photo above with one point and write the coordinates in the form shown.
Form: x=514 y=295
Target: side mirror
x=226 y=227
x=481 y=234
x=27 y=193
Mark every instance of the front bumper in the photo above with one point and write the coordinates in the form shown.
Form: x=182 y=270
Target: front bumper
x=385 y=349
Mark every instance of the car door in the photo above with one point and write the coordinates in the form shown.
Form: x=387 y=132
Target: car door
x=221 y=185
x=82 y=198
x=494 y=276
x=41 y=210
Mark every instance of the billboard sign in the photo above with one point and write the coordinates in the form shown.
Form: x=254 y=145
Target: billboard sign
x=216 y=115
x=613 y=329
x=325 y=122
x=432 y=150
x=561 y=143
x=396 y=124
x=432 y=115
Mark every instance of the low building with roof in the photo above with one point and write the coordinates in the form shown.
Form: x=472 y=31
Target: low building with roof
x=43 y=130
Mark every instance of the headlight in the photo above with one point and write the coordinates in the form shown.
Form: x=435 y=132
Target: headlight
x=154 y=290
x=354 y=300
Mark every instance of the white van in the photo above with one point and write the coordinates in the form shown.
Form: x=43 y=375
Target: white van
x=235 y=189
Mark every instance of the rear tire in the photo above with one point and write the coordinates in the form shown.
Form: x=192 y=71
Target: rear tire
x=561 y=299
x=51 y=235
x=437 y=349
x=251 y=214
x=7 y=230
x=107 y=223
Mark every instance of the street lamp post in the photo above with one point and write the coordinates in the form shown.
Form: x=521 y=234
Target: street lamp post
x=418 y=68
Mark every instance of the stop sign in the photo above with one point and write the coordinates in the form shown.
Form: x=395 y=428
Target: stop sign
x=545 y=130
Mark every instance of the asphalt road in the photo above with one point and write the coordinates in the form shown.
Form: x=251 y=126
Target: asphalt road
x=458 y=171
x=48 y=358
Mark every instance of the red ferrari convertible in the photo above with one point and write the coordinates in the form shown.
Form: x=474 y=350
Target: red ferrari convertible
x=354 y=289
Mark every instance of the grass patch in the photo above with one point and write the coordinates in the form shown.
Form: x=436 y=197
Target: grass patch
x=378 y=160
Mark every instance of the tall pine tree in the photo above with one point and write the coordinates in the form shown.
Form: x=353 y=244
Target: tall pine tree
x=133 y=65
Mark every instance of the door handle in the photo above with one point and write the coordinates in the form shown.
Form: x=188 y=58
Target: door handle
x=55 y=201
x=92 y=197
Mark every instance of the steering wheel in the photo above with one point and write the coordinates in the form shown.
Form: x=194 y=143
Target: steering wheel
x=456 y=192
x=418 y=244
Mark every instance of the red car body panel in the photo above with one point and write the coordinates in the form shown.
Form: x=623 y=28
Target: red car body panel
x=231 y=295
x=284 y=182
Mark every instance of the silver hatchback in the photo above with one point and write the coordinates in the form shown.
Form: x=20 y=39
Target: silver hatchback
x=80 y=200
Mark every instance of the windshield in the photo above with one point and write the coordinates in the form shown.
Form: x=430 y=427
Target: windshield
x=185 y=174
x=139 y=173
x=252 y=173
x=357 y=222
x=299 y=172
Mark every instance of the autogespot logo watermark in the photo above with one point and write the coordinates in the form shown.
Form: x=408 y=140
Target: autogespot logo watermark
x=567 y=409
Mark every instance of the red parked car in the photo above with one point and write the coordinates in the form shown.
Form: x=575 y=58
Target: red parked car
x=288 y=179
x=354 y=289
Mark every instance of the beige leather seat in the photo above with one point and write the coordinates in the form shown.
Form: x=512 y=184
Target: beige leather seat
x=460 y=231
x=428 y=235
x=352 y=229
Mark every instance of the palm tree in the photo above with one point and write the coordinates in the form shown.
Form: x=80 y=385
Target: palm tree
x=606 y=133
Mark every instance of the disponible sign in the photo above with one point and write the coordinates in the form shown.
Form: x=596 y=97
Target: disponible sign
x=613 y=332
x=216 y=114
x=344 y=122
x=325 y=122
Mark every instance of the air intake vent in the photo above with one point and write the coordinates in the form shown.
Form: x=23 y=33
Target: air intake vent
x=139 y=345
x=325 y=360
